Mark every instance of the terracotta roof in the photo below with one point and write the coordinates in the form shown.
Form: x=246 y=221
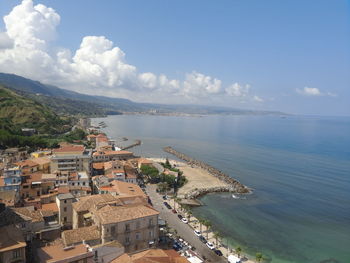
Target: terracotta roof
x=124 y=258
x=49 y=207
x=41 y=160
x=26 y=163
x=11 y=238
x=8 y=197
x=87 y=202
x=75 y=236
x=145 y=161
x=63 y=189
x=70 y=148
x=125 y=213
x=57 y=253
x=124 y=188
x=2 y=181
x=91 y=136
x=34 y=177
x=98 y=166
x=28 y=213
x=158 y=256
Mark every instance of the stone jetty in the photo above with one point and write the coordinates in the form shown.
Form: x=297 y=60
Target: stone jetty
x=136 y=143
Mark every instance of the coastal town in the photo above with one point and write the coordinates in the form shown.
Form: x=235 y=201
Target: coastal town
x=91 y=201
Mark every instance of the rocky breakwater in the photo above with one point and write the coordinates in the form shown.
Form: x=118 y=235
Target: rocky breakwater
x=232 y=184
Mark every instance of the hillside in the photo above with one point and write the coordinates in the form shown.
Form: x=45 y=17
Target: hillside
x=65 y=101
x=69 y=102
x=17 y=111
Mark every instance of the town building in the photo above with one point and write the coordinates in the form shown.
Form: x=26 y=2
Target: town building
x=73 y=158
x=107 y=155
x=11 y=179
x=65 y=210
x=12 y=245
x=88 y=235
x=58 y=253
x=135 y=227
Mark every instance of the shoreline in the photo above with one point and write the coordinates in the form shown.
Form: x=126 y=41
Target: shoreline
x=229 y=184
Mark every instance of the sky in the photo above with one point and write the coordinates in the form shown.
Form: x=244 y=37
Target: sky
x=291 y=56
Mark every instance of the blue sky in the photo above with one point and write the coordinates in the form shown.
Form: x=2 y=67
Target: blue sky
x=292 y=56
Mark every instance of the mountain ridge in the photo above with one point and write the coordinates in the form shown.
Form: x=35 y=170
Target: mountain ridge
x=101 y=105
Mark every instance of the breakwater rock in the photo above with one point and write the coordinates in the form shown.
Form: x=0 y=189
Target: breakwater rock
x=233 y=185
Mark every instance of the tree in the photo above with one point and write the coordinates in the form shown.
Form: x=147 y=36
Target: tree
x=201 y=222
x=162 y=187
x=238 y=251
x=207 y=224
x=258 y=256
x=216 y=236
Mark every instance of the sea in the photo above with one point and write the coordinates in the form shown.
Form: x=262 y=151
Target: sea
x=297 y=166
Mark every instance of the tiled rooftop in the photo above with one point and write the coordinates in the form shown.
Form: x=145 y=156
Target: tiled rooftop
x=75 y=236
x=125 y=213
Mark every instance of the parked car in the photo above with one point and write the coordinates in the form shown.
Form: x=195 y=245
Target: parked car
x=177 y=246
x=167 y=205
x=202 y=238
x=197 y=233
x=165 y=197
x=184 y=220
x=179 y=216
x=218 y=252
x=210 y=245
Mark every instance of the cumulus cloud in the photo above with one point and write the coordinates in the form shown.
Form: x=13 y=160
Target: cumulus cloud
x=314 y=92
x=197 y=84
x=96 y=67
x=236 y=90
x=257 y=99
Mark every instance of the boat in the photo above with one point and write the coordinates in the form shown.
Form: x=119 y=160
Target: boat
x=235 y=196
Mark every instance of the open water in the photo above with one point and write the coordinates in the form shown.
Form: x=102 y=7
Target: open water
x=299 y=168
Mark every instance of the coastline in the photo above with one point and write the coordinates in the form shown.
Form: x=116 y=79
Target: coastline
x=199 y=182
x=223 y=182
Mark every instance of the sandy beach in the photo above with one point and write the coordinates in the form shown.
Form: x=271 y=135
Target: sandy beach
x=198 y=178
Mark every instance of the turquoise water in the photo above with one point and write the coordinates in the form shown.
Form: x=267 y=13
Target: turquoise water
x=299 y=168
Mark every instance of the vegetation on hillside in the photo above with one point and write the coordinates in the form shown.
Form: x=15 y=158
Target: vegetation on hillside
x=18 y=112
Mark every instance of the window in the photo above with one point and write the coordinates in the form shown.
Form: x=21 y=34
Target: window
x=65 y=201
x=150 y=234
x=113 y=230
x=65 y=209
x=127 y=240
x=127 y=227
x=150 y=222
x=65 y=219
x=137 y=224
x=16 y=253
x=137 y=236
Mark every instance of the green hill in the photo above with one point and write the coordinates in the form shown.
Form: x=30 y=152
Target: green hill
x=18 y=111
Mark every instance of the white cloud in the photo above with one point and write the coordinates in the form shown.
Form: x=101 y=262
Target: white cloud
x=314 y=92
x=5 y=41
x=197 y=84
x=236 y=90
x=96 y=67
x=257 y=99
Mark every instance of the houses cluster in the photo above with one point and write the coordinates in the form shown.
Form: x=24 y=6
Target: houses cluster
x=74 y=204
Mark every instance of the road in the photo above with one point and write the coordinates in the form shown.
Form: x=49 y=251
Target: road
x=183 y=230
